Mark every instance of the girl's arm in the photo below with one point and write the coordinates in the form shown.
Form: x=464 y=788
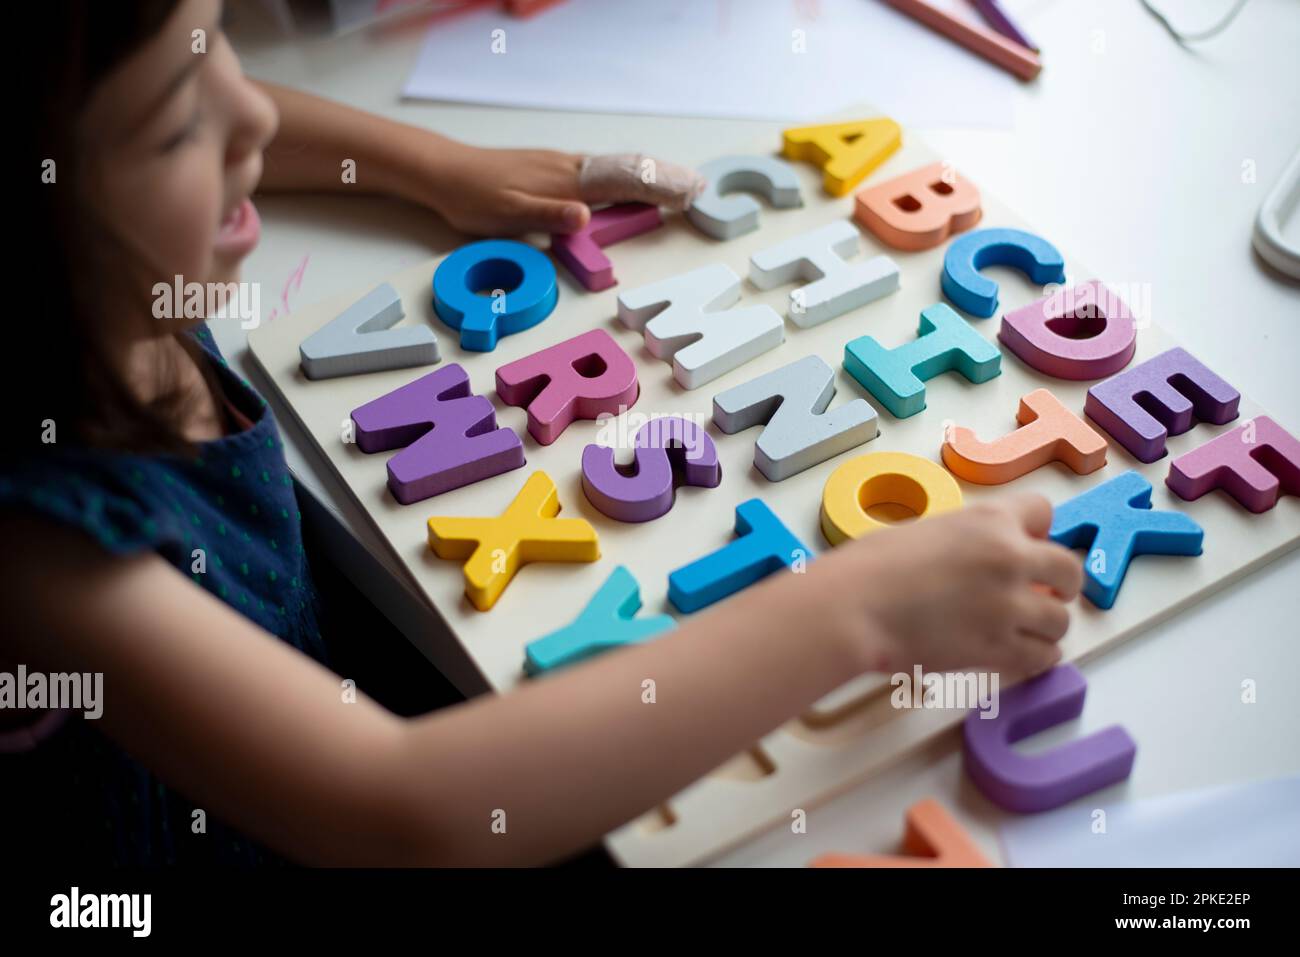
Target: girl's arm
x=482 y=191
x=316 y=136
x=260 y=735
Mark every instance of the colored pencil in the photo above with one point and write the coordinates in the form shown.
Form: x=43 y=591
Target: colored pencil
x=993 y=46
x=998 y=19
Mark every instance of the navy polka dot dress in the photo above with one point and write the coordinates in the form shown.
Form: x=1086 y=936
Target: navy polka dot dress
x=228 y=521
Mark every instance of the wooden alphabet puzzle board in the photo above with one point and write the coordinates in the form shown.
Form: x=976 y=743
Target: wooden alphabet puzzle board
x=853 y=731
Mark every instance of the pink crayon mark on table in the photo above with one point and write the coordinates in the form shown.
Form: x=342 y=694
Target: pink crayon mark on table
x=292 y=285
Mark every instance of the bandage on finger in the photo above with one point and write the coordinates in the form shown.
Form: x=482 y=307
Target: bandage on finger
x=635 y=177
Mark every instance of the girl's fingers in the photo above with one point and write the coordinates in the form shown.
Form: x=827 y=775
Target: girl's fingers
x=1034 y=512
x=527 y=213
x=635 y=177
x=1041 y=616
x=1056 y=567
x=1034 y=656
x=1020 y=654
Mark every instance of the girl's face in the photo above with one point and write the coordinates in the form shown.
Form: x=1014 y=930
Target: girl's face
x=178 y=133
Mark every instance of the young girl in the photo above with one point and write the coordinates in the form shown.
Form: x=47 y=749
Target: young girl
x=131 y=444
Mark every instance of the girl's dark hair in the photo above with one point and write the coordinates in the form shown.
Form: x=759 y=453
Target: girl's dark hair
x=58 y=349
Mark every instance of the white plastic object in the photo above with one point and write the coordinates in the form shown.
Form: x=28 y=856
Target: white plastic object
x=1281 y=205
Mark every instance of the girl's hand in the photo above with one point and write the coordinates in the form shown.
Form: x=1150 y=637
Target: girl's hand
x=978 y=588
x=503 y=192
x=490 y=192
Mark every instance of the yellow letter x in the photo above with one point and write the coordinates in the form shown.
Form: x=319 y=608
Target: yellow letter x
x=527 y=531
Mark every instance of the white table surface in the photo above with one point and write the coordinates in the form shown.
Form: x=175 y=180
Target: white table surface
x=1129 y=145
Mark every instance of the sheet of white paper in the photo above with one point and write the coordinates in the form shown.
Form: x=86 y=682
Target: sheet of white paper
x=786 y=60
x=1238 y=825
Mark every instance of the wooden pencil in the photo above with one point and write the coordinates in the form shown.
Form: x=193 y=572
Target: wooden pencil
x=994 y=47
